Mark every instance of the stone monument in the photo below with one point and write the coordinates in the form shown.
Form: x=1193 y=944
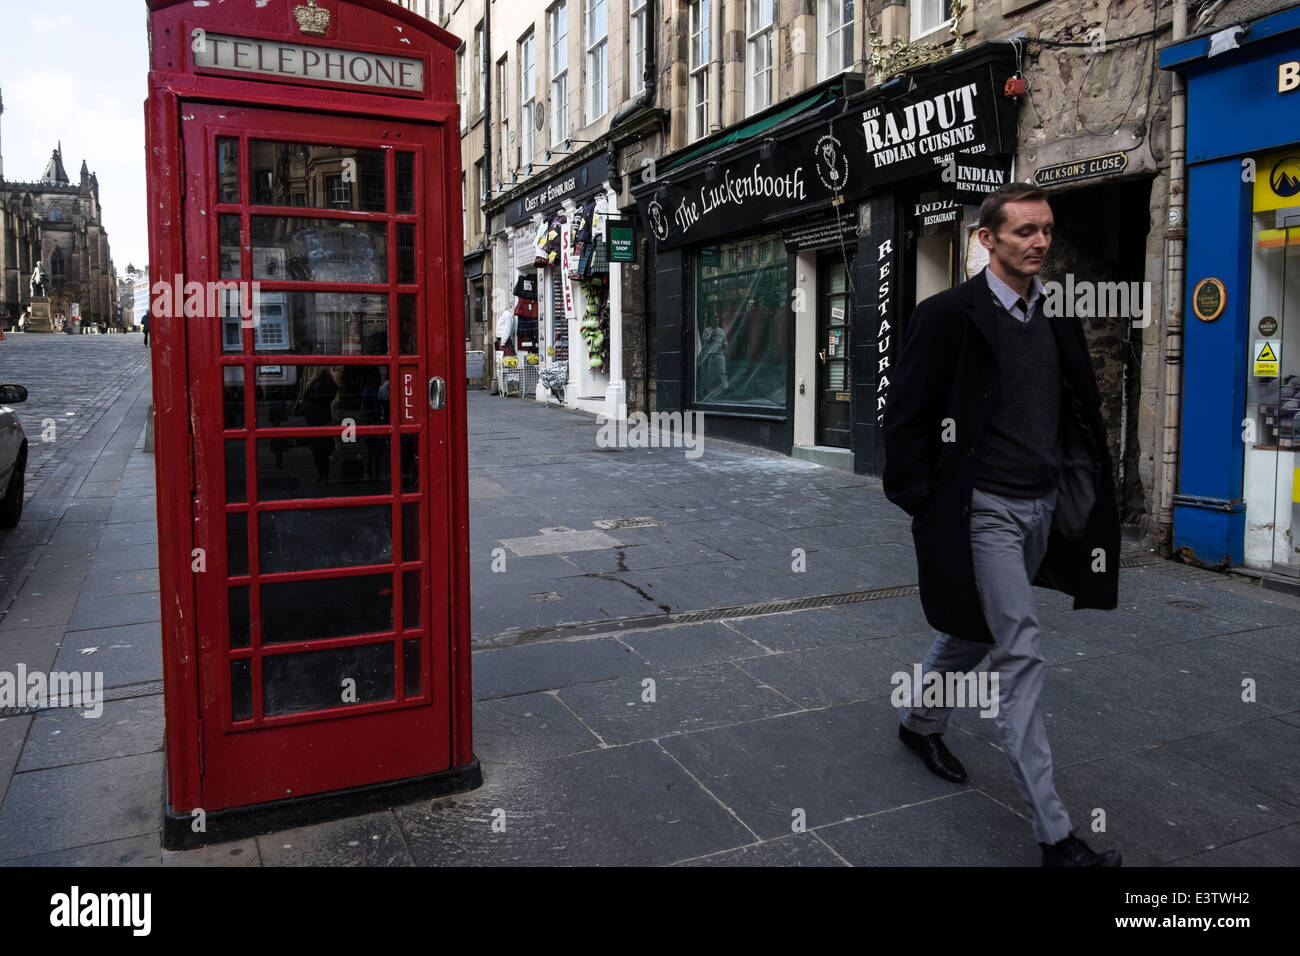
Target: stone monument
x=40 y=320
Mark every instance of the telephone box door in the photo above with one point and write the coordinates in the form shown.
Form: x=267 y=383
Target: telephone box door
x=320 y=477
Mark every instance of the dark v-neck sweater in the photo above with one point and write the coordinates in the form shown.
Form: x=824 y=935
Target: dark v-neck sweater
x=1019 y=453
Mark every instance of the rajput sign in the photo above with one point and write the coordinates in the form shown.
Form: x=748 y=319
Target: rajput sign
x=935 y=126
x=959 y=126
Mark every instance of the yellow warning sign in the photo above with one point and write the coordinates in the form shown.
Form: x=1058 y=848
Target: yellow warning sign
x=1266 y=361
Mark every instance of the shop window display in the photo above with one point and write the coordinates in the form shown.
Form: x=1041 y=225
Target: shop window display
x=1272 y=422
x=742 y=323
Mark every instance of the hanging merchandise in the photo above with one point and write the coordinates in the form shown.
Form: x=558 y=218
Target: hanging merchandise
x=588 y=254
x=526 y=287
x=583 y=237
x=595 y=324
x=505 y=338
x=559 y=349
x=548 y=243
x=539 y=257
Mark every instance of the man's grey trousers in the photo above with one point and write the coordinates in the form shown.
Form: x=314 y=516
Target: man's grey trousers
x=1008 y=541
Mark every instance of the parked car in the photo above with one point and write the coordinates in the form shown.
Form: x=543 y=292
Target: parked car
x=13 y=456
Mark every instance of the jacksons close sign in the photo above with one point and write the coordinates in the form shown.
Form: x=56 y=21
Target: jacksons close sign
x=873 y=142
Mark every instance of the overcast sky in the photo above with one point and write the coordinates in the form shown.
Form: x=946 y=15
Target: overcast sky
x=76 y=72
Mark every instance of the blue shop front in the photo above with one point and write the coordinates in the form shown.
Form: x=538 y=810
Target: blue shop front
x=1238 y=500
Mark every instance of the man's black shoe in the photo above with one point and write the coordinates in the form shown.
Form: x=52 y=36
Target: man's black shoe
x=937 y=757
x=1074 y=852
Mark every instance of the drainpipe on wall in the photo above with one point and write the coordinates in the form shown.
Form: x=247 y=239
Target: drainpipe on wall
x=645 y=101
x=487 y=107
x=651 y=75
x=1175 y=250
x=715 y=64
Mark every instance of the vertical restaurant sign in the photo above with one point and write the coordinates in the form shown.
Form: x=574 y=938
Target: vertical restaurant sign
x=884 y=302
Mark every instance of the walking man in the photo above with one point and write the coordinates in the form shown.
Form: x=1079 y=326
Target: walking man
x=995 y=444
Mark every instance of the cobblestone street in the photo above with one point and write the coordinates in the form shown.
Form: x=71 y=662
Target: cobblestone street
x=71 y=380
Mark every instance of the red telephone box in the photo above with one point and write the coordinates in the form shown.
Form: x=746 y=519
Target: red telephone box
x=306 y=270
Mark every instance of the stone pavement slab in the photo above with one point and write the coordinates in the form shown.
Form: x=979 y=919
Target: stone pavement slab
x=527 y=668
x=804 y=849
x=68 y=736
x=962 y=829
x=1280 y=847
x=528 y=727
x=79 y=804
x=834 y=764
x=631 y=805
x=688 y=645
x=677 y=702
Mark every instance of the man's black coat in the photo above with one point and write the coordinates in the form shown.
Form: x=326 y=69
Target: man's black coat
x=943 y=383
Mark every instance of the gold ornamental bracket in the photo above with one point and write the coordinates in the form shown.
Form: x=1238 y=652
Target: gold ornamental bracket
x=312 y=20
x=899 y=56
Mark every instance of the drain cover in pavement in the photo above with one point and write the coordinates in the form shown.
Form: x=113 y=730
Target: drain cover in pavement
x=609 y=524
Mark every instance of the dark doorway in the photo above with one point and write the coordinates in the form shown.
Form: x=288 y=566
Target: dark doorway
x=834 y=309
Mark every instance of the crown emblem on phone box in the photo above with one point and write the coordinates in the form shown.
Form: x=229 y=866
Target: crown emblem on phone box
x=312 y=19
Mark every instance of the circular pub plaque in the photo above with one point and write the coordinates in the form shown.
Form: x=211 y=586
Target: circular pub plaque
x=1209 y=299
x=1267 y=326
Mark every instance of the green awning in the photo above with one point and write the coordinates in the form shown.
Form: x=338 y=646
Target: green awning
x=753 y=128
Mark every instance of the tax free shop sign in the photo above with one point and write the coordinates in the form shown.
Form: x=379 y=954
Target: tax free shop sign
x=842 y=149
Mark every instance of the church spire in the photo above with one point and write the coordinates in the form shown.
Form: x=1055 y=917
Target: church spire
x=54 y=171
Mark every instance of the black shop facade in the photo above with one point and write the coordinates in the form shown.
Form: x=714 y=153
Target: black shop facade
x=790 y=251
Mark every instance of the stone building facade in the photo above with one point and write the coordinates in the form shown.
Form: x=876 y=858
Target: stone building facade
x=1094 y=90
x=58 y=223
x=645 y=93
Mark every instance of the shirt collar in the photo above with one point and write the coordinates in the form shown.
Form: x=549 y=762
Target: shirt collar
x=1007 y=295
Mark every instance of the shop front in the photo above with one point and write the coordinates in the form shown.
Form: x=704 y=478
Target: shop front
x=560 y=334
x=790 y=251
x=1238 y=501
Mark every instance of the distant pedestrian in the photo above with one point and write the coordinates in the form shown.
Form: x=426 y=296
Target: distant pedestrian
x=995 y=444
x=144 y=324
